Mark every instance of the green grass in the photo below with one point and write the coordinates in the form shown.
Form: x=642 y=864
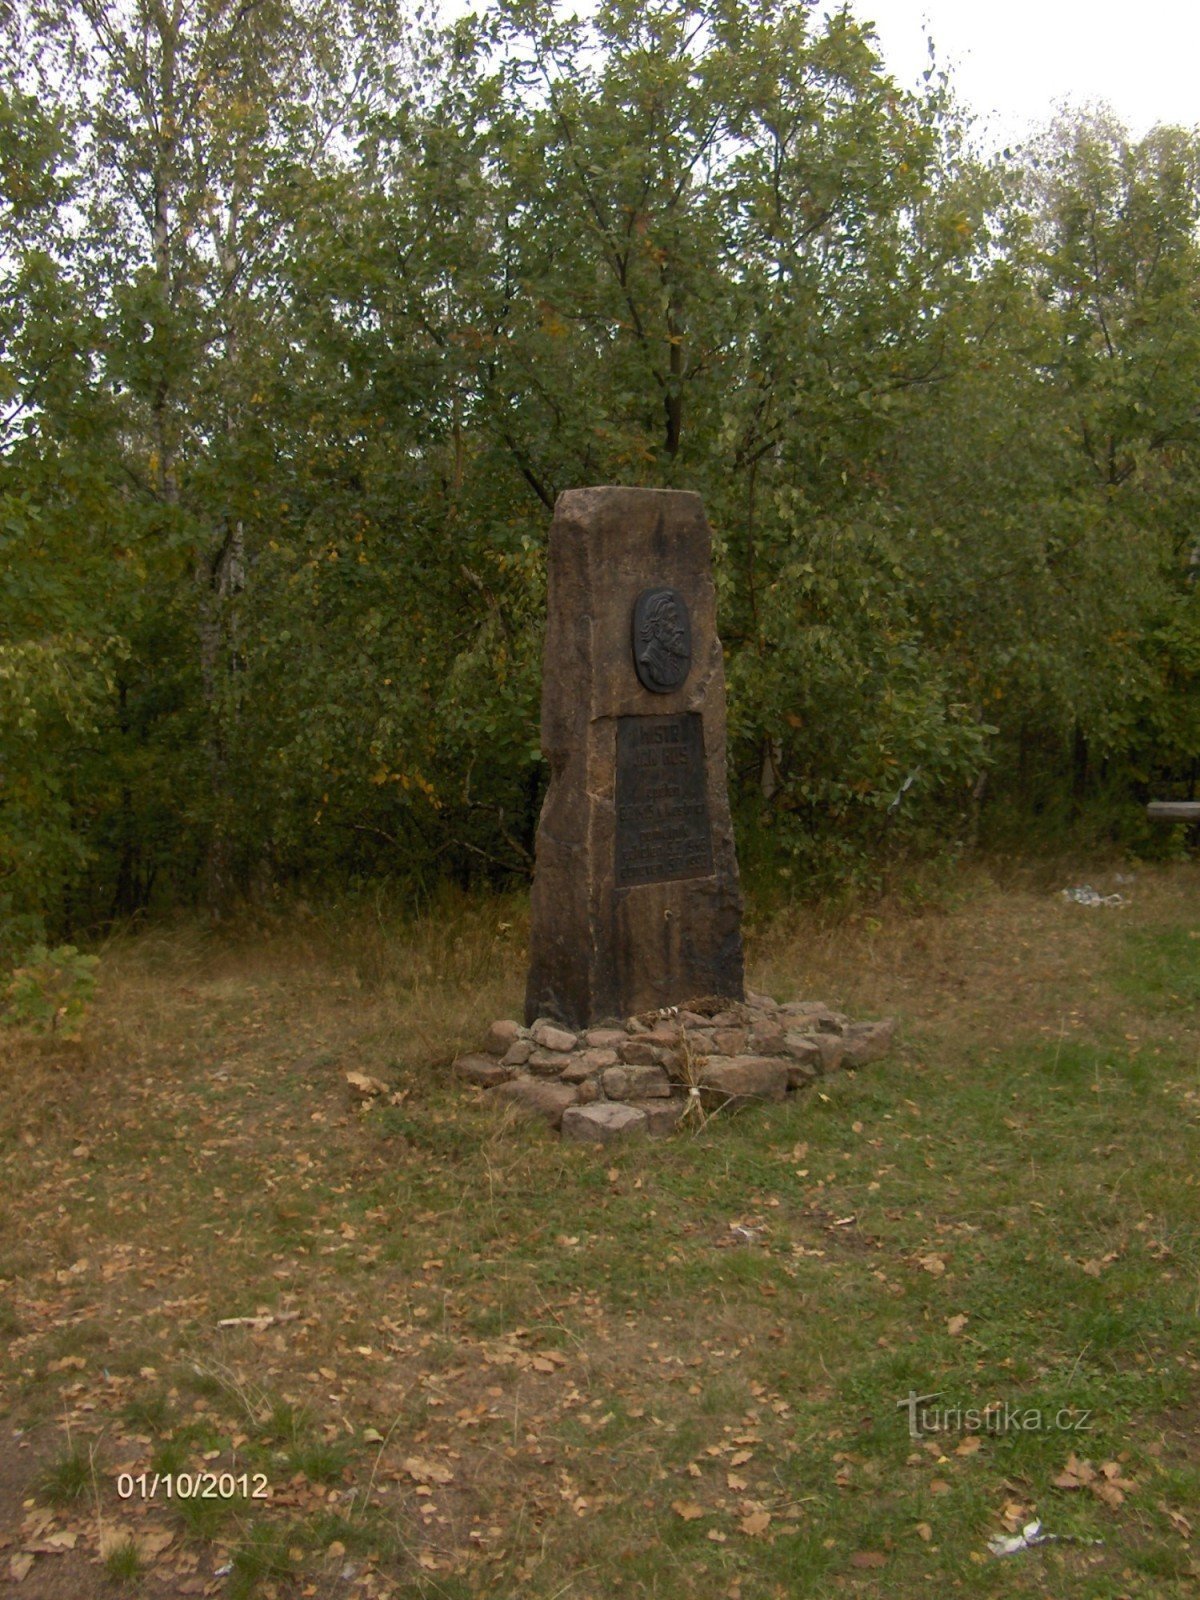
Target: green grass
x=1161 y=967
x=67 y=1478
x=1005 y=1212
x=123 y=1564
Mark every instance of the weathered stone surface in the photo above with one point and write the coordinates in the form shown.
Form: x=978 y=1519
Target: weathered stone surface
x=662 y=1116
x=500 y=1036
x=535 y=1097
x=483 y=1070
x=743 y=1080
x=803 y=1048
x=868 y=1041
x=635 y=1083
x=812 y=1016
x=832 y=1050
x=606 y=1038
x=693 y=1019
x=726 y=1019
x=636 y=902
x=664 y=1033
x=545 y=1033
x=587 y=1091
x=584 y=1064
x=766 y=1037
x=605 y=1122
x=641 y=1053
x=761 y=1002
x=801 y=1008
x=802 y=1073
x=549 y=1063
x=728 y=1042
x=518 y=1053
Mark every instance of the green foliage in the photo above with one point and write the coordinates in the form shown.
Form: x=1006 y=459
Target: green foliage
x=310 y=313
x=51 y=990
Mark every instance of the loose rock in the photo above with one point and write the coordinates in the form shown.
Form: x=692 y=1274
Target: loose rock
x=548 y=1063
x=485 y=1071
x=743 y=1080
x=804 y=1048
x=868 y=1041
x=662 y=1116
x=728 y=1042
x=551 y=1037
x=603 y=1123
x=536 y=1098
x=635 y=1083
x=500 y=1037
x=766 y=1038
x=832 y=1050
x=606 y=1038
x=641 y=1053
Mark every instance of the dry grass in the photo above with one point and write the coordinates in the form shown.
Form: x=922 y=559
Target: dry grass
x=488 y=1363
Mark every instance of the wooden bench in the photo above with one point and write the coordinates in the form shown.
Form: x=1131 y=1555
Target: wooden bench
x=1173 y=810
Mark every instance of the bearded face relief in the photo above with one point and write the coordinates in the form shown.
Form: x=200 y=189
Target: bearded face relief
x=662 y=640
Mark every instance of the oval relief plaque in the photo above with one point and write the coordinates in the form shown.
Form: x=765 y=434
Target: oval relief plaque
x=662 y=640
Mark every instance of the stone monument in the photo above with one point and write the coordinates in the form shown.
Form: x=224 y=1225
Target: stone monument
x=636 y=904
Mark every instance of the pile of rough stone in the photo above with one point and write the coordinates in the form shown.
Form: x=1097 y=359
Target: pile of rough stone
x=639 y=1076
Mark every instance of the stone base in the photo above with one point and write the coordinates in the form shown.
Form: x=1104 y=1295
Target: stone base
x=646 y=1075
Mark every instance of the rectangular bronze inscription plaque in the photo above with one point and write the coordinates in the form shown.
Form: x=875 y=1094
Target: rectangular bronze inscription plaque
x=662 y=800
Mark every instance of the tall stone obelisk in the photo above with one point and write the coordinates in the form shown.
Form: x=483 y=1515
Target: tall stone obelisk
x=636 y=903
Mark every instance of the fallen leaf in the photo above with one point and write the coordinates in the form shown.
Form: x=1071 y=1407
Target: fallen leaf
x=756 y=1523
x=925 y=1531
x=969 y=1446
x=868 y=1558
x=427 y=1471
x=18 y=1567
x=363 y=1085
x=54 y=1543
x=1014 y=1514
x=956 y=1325
x=933 y=1264
x=1075 y=1475
x=1112 y=1471
x=740 y=1457
x=735 y=1481
x=372 y=1436
x=717 y=1536
x=687 y=1509
x=1178 y=1521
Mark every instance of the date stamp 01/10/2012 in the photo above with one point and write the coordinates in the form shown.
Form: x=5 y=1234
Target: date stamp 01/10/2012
x=193 y=1486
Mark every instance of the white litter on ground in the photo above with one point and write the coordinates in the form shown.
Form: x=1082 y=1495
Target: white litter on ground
x=1007 y=1544
x=1085 y=895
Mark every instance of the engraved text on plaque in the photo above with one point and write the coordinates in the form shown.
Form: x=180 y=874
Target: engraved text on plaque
x=662 y=809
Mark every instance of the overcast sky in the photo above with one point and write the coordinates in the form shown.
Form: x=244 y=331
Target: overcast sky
x=1012 y=60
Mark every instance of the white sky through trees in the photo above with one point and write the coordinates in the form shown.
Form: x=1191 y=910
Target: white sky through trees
x=1012 y=61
